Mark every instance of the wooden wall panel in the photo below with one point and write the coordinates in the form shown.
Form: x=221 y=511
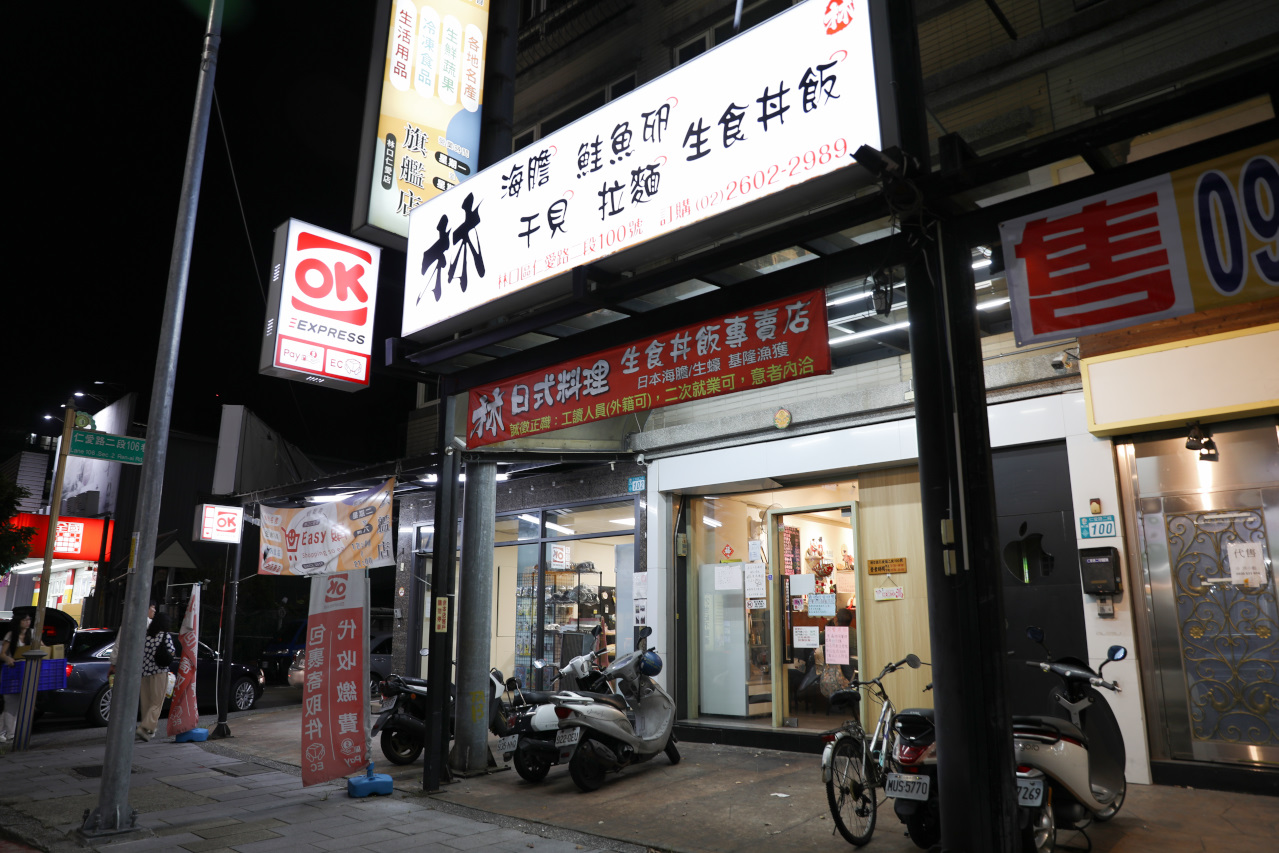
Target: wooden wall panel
x=890 y=519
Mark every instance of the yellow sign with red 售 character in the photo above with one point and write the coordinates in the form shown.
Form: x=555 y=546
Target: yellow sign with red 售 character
x=1184 y=241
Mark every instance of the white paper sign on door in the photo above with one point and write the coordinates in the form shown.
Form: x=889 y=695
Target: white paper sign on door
x=822 y=605
x=836 y=645
x=728 y=578
x=756 y=580
x=640 y=582
x=805 y=637
x=755 y=551
x=803 y=584
x=1247 y=563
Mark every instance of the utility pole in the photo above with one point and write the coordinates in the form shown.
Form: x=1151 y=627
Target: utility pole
x=231 y=595
x=35 y=656
x=475 y=602
x=113 y=814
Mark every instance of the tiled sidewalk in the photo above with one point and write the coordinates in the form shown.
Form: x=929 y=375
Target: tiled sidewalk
x=192 y=799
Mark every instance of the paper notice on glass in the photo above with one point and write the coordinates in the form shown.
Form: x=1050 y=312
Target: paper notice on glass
x=728 y=578
x=821 y=604
x=803 y=584
x=639 y=585
x=1247 y=564
x=755 y=551
x=805 y=637
x=756 y=580
x=836 y=645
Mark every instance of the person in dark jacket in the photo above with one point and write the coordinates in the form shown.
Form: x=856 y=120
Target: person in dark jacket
x=155 y=676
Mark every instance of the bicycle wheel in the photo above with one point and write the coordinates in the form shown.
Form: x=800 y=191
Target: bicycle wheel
x=851 y=792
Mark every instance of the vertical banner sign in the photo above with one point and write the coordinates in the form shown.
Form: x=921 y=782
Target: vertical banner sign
x=776 y=342
x=319 y=324
x=335 y=703
x=427 y=132
x=777 y=106
x=183 y=714
x=351 y=534
x=1186 y=241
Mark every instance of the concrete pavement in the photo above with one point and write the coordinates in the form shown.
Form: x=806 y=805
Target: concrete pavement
x=245 y=794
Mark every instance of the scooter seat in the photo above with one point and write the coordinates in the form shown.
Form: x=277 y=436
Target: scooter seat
x=1053 y=725
x=920 y=712
x=532 y=697
x=612 y=699
x=414 y=682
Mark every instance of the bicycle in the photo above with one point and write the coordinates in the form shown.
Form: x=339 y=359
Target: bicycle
x=855 y=765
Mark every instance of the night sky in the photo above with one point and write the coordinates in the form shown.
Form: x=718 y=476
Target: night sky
x=98 y=159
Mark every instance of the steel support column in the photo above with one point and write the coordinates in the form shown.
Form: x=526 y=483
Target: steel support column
x=439 y=609
x=475 y=607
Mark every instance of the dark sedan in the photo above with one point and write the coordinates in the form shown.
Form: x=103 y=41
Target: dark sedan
x=89 y=663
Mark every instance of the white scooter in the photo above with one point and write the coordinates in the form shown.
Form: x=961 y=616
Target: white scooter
x=1080 y=749
x=600 y=732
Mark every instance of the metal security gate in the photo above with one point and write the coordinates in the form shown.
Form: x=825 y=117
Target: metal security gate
x=1212 y=614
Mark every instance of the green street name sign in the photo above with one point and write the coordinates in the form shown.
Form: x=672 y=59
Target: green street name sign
x=112 y=448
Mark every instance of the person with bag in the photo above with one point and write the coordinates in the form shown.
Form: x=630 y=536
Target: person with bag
x=12 y=646
x=157 y=655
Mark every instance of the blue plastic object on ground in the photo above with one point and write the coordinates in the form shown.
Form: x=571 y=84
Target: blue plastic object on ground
x=369 y=783
x=192 y=736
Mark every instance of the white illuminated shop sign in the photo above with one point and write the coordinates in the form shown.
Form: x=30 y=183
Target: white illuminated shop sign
x=215 y=523
x=779 y=105
x=319 y=325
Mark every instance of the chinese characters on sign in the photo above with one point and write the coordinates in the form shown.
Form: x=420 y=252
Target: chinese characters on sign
x=427 y=134
x=1175 y=244
x=668 y=154
x=73 y=539
x=319 y=325
x=351 y=534
x=776 y=342
x=183 y=714
x=334 y=697
x=112 y=448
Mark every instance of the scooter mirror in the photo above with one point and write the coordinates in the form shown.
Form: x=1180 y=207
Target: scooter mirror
x=1035 y=634
x=597 y=630
x=644 y=632
x=912 y=661
x=539 y=663
x=1116 y=653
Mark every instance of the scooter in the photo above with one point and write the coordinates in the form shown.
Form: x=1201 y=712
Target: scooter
x=1079 y=749
x=532 y=724
x=401 y=722
x=916 y=754
x=602 y=732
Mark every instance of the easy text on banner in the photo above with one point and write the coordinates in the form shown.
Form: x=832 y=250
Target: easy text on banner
x=773 y=343
x=351 y=534
x=1186 y=241
x=183 y=713
x=335 y=702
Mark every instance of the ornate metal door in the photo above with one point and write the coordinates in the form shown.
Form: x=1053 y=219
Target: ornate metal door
x=1221 y=613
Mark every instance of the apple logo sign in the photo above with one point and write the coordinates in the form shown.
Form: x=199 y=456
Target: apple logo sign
x=1023 y=555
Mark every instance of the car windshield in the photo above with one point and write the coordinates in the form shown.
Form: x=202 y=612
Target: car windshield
x=86 y=643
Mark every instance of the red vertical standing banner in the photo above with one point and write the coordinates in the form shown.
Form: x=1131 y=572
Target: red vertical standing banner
x=183 y=714
x=335 y=700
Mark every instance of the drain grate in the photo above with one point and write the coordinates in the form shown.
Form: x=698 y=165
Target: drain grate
x=243 y=769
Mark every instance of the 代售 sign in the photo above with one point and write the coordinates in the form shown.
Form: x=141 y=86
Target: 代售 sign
x=776 y=342
x=334 y=701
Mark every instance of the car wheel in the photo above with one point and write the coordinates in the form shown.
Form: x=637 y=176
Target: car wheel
x=243 y=696
x=99 y=713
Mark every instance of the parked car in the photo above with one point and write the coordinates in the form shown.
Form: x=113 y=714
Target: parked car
x=279 y=653
x=380 y=665
x=88 y=692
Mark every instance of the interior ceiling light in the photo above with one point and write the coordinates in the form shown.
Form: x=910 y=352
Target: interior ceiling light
x=980 y=263
x=1195 y=439
x=629 y=521
x=710 y=522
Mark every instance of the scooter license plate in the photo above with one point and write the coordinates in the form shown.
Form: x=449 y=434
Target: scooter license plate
x=568 y=737
x=507 y=745
x=1030 y=792
x=907 y=786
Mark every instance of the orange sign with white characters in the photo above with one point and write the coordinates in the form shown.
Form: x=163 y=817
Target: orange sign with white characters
x=346 y=535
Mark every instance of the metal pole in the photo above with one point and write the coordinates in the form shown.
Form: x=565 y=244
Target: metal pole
x=439 y=610
x=31 y=677
x=222 y=730
x=470 y=753
x=113 y=813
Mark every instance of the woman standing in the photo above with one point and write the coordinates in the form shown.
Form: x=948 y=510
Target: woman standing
x=18 y=636
x=155 y=676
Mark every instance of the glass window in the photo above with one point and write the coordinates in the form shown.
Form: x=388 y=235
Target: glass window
x=597 y=518
x=516 y=528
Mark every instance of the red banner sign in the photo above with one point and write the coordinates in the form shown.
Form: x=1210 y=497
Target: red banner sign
x=183 y=714
x=767 y=345
x=334 y=700
x=76 y=538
